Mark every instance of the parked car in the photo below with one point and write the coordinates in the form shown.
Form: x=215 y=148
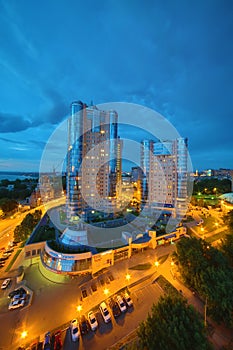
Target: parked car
x=74 y=330
x=84 y=325
x=21 y=291
x=115 y=308
x=58 y=341
x=47 y=341
x=104 y=312
x=15 y=304
x=3 y=259
x=6 y=283
x=128 y=300
x=6 y=255
x=92 y=320
x=121 y=303
x=9 y=250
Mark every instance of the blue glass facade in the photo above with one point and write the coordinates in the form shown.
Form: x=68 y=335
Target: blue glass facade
x=146 y=149
x=74 y=158
x=89 y=127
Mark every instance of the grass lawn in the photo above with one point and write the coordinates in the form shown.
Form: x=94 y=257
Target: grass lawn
x=163 y=258
x=219 y=235
x=145 y=266
x=167 y=286
x=13 y=260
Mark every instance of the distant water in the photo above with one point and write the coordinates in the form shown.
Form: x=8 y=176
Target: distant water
x=11 y=176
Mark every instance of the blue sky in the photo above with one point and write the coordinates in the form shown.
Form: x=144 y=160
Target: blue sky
x=172 y=56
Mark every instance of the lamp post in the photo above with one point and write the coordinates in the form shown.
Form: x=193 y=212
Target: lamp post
x=172 y=264
x=128 y=277
x=205 y=312
x=23 y=335
x=106 y=292
x=79 y=308
x=156 y=263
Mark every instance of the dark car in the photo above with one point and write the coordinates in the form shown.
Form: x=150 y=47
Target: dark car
x=84 y=325
x=40 y=346
x=58 y=341
x=115 y=308
x=20 y=291
x=47 y=341
x=4 y=258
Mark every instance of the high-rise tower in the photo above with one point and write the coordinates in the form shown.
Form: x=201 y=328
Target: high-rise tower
x=165 y=164
x=91 y=158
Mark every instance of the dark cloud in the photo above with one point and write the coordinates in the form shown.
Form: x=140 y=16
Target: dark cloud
x=12 y=141
x=13 y=123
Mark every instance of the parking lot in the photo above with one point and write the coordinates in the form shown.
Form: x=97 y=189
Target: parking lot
x=119 y=326
x=55 y=304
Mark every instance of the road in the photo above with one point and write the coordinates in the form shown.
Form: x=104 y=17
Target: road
x=8 y=225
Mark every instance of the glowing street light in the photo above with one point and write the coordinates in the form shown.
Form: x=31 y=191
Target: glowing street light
x=106 y=291
x=128 y=277
x=216 y=224
x=202 y=229
x=172 y=263
x=79 y=308
x=24 y=334
x=156 y=263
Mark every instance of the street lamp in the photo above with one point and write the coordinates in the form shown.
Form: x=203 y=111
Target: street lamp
x=127 y=277
x=106 y=291
x=172 y=273
x=156 y=263
x=79 y=308
x=24 y=334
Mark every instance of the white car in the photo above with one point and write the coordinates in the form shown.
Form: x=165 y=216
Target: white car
x=92 y=320
x=128 y=300
x=74 y=330
x=105 y=313
x=15 y=304
x=6 y=283
x=121 y=303
x=19 y=297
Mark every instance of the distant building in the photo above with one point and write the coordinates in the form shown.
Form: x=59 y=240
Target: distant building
x=136 y=174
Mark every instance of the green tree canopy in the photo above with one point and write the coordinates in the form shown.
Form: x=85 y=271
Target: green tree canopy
x=173 y=324
x=228 y=219
x=24 y=230
x=227 y=248
x=208 y=271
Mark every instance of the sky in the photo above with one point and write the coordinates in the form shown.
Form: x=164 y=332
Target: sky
x=175 y=57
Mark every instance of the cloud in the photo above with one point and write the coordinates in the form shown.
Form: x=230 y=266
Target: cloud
x=12 y=141
x=13 y=123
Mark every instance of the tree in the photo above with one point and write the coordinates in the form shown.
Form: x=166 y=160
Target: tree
x=24 y=230
x=227 y=248
x=7 y=205
x=228 y=218
x=207 y=270
x=173 y=324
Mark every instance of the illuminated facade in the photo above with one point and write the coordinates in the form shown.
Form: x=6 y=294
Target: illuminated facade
x=166 y=167
x=91 y=159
